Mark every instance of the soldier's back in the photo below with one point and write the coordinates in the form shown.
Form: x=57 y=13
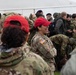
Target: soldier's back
x=24 y=63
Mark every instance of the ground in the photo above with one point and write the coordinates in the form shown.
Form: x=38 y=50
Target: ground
x=57 y=73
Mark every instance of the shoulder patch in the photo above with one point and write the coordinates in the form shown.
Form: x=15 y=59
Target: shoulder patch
x=42 y=41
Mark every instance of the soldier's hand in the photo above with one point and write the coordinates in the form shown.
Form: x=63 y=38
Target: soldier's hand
x=74 y=30
x=69 y=31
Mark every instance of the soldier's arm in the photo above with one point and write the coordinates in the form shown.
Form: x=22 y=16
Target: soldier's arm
x=47 y=51
x=63 y=46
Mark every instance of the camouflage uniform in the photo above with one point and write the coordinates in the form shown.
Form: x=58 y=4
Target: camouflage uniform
x=21 y=61
x=32 y=30
x=44 y=47
x=31 y=23
x=32 y=17
x=73 y=27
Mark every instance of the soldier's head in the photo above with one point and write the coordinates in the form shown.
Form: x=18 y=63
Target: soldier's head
x=49 y=16
x=74 y=16
x=63 y=15
x=56 y=15
x=41 y=24
x=68 y=17
x=15 y=31
x=39 y=13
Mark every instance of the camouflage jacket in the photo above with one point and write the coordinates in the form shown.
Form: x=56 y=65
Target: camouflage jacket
x=61 y=40
x=31 y=23
x=73 y=26
x=43 y=46
x=21 y=61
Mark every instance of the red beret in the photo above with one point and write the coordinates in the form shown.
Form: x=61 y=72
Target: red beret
x=41 y=21
x=23 y=22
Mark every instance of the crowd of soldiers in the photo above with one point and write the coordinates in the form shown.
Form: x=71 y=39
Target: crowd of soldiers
x=28 y=47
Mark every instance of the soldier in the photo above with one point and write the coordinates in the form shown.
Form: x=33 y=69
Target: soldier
x=15 y=56
x=39 y=13
x=41 y=44
x=60 y=25
x=32 y=17
x=73 y=25
x=2 y=19
x=32 y=30
x=49 y=17
x=64 y=46
x=31 y=23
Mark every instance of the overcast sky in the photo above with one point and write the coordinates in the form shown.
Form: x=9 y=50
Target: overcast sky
x=73 y=0
x=12 y=4
x=8 y=5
